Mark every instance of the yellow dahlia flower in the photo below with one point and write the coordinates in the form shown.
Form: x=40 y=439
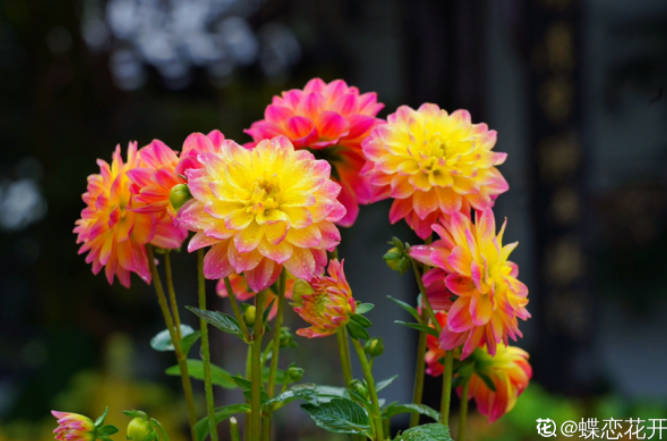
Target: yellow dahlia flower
x=433 y=163
x=262 y=209
x=327 y=303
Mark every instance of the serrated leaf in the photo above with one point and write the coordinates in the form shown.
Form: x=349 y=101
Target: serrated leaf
x=426 y=432
x=357 y=331
x=361 y=320
x=162 y=341
x=340 y=416
x=224 y=322
x=219 y=376
x=419 y=327
x=385 y=383
x=410 y=309
x=363 y=308
x=327 y=393
x=221 y=414
x=396 y=408
x=305 y=392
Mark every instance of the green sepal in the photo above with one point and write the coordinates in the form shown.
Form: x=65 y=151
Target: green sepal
x=357 y=331
x=363 y=321
x=107 y=430
x=363 y=308
x=136 y=414
x=100 y=419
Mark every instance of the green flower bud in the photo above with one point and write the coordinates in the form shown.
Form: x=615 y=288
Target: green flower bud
x=249 y=315
x=374 y=347
x=398 y=257
x=139 y=429
x=360 y=388
x=287 y=338
x=180 y=194
x=404 y=264
x=295 y=373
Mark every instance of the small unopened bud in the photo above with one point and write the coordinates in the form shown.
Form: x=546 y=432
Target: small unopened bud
x=359 y=387
x=249 y=315
x=286 y=338
x=374 y=347
x=139 y=429
x=295 y=373
x=179 y=195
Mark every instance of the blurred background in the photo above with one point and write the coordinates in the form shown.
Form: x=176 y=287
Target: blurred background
x=575 y=90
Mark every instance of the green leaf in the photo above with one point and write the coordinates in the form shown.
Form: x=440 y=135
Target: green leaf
x=485 y=378
x=263 y=396
x=340 y=416
x=221 y=414
x=280 y=375
x=188 y=341
x=357 y=331
x=385 y=383
x=419 y=327
x=219 y=376
x=100 y=419
x=305 y=392
x=242 y=382
x=224 y=322
x=107 y=430
x=363 y=308
x=395 y=409
x=361 y=320
x=426 y=432
x=162 y=341
x=136 y=414
x=410 y=309
x=327 y=393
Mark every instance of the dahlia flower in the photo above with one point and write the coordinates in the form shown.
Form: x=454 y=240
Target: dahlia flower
x=435 y=354
x=196 y=144
x=74 y=427
x=331 y=120
x=262 y=210
x=114 y=234
x=242 y=292
x=508 y=370
x=472 y=262
x=433 y=164
x=326 y=304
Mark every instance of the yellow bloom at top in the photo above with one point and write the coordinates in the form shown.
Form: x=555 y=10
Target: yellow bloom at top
x=433 y=163
x=262 y=209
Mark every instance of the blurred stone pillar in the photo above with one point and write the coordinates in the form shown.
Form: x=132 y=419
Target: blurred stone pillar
x=561 y=301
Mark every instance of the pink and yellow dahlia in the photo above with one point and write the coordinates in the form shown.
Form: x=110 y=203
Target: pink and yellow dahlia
x=243 y=292
x=435 y=354
x=433 y=164
x=510 y=373
x=331 y=120
x=472 y=262
x=196 y=144
x=114 y=234
x=326 y=304
x=74 y=427
x=262 y=210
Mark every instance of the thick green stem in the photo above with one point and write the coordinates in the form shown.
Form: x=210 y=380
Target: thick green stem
x=463 y=415
x=236 y=309
x=425 y=299
x=182 y=362
x=344 y=351
x=256 y=368
x=368 y=375
x=172 y=293
x=206 y=354
x=446 y=399
x=248 y=376
x=273 y=369
x=234 y=429
x=420 y=371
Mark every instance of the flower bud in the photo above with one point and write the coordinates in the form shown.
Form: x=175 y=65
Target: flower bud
x=179 y=195
x=295 y=373
x=286 y=338
x=374 y=347
x=249 y=315
x=139 y=429
x=74 y=427
x=360 y=388
x=397 y=258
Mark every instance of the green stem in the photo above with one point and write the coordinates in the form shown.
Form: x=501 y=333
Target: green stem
x=172 y=293
x=425 y=299
x=344 y=351
x=420 y=370
x=256 y=368
x=365 y=367
x=273 y=369
x=236 y=309
x=446 y=399
x=160 y=428
x=206 y=354
x=248 y=376
x=234 y=429
x=463 y=415
x=182 y=362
